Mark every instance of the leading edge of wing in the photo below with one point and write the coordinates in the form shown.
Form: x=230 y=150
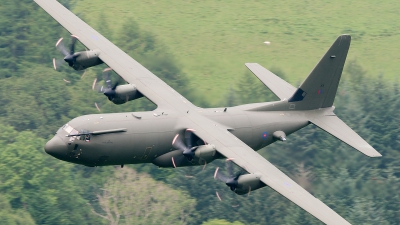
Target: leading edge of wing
x=242 y=155
x=130 y=70
x=277 y=180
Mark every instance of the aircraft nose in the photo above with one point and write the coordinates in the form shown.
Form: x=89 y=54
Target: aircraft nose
x=56 y=147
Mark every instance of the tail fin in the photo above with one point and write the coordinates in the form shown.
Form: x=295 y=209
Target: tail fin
x=319 y=88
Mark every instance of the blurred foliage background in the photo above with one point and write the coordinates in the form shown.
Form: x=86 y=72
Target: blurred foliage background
x=35 y=100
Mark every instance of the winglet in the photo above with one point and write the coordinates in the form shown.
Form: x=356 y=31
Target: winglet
x=337 y=128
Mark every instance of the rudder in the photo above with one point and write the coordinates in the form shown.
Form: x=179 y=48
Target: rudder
x=319 y=89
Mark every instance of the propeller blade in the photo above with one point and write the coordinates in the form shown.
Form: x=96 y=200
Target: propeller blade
x=219 y=197
x=74 y=38
x=189 y=172
x=97 y=107
x=177 y=161
x=173 y=162
x=106 y=77
x=241 y=172
x=205 y=165
x=57 y=63
x=84 y=73
x=177 y=143
x=189 y=137
x=219 y=176
x=97 y=87
x=127 y=98
x=94 y=83
x=61 y=47
x=229 y=168
x=115 y=86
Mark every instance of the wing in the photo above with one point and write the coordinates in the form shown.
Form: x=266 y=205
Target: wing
x=231 y=147
x=277 y=85
x=130 y=70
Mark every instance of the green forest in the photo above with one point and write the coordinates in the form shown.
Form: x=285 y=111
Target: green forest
x=36 y=100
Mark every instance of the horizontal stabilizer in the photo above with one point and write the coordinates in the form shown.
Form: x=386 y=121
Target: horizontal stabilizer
x=336 y=127
x=277 y=85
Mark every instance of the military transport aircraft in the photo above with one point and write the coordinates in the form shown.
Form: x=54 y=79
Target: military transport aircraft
x=177 y=133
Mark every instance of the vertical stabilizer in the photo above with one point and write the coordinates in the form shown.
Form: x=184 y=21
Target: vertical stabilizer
x=319 y=88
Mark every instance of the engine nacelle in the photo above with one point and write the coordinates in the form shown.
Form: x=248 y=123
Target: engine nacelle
x=125 y=93
x=85 y=59
x=205 y=154
x=248 y=182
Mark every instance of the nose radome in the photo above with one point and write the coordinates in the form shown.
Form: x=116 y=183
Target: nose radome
x=56 y=147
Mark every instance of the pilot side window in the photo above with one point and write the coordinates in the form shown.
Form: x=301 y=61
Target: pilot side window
x=85 y=137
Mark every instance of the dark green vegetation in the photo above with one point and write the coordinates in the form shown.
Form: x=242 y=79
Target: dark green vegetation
x=36 y=188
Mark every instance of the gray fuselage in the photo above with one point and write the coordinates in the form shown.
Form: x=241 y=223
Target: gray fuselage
x=149 y=135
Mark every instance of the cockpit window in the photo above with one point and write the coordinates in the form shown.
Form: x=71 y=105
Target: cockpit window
x=68 y=128
x=86 y=136
x=71 y=131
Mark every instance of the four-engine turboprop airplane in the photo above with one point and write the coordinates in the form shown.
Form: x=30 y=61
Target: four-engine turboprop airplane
x=179 y=134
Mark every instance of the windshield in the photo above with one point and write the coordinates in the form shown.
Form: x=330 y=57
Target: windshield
x=67 y=128
x=70 y=130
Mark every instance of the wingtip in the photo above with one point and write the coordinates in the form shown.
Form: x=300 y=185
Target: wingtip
x=375 y=155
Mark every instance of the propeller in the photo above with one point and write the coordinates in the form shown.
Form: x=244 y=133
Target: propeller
x=186 y=145
x=69 y=54
x=108 y=89
x=232 y=179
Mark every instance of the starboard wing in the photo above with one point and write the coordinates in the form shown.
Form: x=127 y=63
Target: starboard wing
x=231 y=147
x=130 y=70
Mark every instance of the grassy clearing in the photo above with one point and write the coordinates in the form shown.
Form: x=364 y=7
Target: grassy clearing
x=213 y=39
